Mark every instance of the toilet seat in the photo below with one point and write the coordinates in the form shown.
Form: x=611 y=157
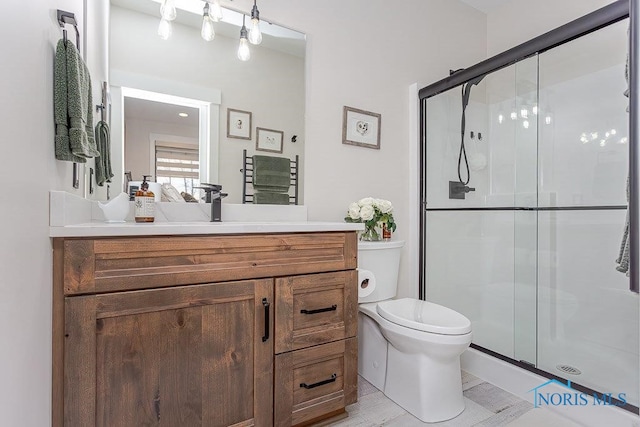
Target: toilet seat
x=424 y=316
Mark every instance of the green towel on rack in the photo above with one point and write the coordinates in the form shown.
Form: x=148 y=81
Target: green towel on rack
x=104 y=173
x=270 y=198
x=271 y=174
x=73 y=105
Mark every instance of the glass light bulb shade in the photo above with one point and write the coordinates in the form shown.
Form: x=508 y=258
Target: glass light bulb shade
x=255 y=35
x=164 y=29
x=207 y=32
x=216 y=11
x=168 y=10
x=244 y=54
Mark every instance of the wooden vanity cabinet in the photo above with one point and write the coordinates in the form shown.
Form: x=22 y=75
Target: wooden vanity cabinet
x=183 y=330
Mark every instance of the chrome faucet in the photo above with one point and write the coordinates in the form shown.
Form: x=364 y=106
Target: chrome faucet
x=214 y=195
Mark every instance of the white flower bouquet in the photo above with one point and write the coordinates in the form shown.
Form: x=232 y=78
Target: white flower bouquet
x=376 y=214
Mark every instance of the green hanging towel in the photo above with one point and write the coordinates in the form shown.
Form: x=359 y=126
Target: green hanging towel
x=104 y=173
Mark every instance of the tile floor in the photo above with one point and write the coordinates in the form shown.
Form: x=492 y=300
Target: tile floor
x=485 y=406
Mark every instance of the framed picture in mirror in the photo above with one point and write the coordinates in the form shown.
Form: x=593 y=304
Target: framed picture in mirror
x=238 y=124
x=361 y=128
x=269 y=140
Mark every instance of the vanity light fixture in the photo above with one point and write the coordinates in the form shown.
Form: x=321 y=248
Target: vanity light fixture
x=243 y=49
x=255 y=35
x=168 y=10
x=207 y=32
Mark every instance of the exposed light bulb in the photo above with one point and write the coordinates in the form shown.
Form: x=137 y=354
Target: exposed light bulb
x=216 y=11
x=168 y=10
x=164 y=29
x=514 y=115
x=207 y=32
x=500 y=118
x=525 y=124
x=255 y=35
x=244 y=54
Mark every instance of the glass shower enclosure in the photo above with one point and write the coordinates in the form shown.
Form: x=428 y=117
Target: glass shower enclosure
x=524 y=195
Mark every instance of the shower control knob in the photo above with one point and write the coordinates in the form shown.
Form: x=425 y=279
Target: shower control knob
x=467 y=189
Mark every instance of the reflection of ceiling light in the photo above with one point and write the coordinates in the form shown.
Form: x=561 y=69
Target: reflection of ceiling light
x=216 y=11
x=594 y=135
x=207 y=32
x=547 y=119
x=164 y=29
x=603 y=143
x=244 y=54
x=514 y=115
x=168 y=10
x=535 y=109
x=525 y=124
x=524 y=113
x=500 y=118
x=183 y=114
x=255 y=35
x=623 y=140
x=613 y=132
x=583 y=138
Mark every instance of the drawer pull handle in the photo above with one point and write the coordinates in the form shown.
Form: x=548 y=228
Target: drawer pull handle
x=266 y=304
x=318 y=384
x=320 y=310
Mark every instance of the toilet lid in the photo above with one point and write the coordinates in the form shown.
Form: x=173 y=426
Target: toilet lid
x=424 y=316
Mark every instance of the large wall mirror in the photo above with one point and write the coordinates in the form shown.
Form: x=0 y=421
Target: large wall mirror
x=156 y=82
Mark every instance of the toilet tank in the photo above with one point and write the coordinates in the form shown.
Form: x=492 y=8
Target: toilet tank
x=383 y=260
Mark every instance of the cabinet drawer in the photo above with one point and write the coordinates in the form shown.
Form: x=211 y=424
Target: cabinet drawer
x=315 y=309
x=117 y=264
x=315 y=381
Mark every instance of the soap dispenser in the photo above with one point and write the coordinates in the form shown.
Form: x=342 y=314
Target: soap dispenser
x=144 y=202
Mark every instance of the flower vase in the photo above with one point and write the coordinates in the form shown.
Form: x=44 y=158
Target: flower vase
x=371 y=235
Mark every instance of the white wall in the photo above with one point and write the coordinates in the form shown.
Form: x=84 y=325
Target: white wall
x=517 y=21
x=349 y=63
x=28 y=171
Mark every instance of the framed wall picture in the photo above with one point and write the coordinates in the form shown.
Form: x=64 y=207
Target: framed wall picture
x=361 y=128
x=269 y=140
x=238 y=124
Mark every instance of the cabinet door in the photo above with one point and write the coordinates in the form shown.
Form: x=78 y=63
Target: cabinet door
x=190 y=356
x=315 y=308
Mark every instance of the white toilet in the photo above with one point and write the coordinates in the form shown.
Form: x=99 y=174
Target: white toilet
x=409 y=349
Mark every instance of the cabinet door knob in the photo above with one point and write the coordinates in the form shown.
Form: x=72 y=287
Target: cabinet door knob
x=319 y=310
x=319 y=383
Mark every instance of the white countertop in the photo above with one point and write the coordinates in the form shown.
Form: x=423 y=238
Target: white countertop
x=102 y=229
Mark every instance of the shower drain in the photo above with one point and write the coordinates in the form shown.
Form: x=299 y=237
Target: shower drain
x=568 y=369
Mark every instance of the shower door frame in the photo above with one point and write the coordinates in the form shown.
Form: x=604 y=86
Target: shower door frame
x=587 y=24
